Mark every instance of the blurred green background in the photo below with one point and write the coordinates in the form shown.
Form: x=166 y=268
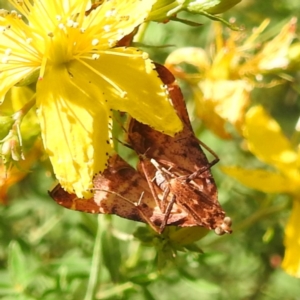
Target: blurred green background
x=48 y=252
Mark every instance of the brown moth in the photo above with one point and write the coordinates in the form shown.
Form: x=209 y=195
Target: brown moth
x=122 y=191
x=176 y=168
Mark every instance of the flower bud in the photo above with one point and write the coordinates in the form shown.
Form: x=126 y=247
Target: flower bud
x=210 y=6
x=6 y=123
x=163 y=10
x=11 y=148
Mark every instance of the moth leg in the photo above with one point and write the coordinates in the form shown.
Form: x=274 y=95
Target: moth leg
x=163 y=183
x=196 y=173
x=162 y=169
x=160 y=203
x=166 y=192
x=210 y=164
x=140 y=208
x=167 y=214
x=216 y=157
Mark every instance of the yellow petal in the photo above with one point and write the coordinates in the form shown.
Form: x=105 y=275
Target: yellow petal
x=189 y=55
x=18 y=57
x=261 y=180
x=75 y=129
x=116 y=18
x=274 y=54
x=266 y=140
x=206 y=112
x=130 y=83
x=291 y=261
x=222 y=101
x=9 y=78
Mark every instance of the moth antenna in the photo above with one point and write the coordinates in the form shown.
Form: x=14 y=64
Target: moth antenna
x=116 y=194
x=140 y=199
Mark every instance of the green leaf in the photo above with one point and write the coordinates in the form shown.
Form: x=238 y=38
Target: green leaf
x=194 y=248
x=18 y=267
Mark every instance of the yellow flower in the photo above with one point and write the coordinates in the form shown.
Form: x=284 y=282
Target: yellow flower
x=13 y=174
x=11 y=171
x=266 y=141
x=274 y=55
x=83 y=75
x=220 y=96
x=222 y=84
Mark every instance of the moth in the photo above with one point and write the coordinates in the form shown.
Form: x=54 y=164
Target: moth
x=176 y=168
x=172 y=169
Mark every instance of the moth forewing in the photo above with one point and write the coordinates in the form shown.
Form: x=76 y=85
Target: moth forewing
x=206 y=213
x=128 y=185
x=122 y=191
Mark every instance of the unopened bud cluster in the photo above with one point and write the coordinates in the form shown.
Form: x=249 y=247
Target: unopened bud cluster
x=163 y=10
x=10 y=140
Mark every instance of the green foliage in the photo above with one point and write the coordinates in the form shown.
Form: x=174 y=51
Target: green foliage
x=46 y=252
x=49 y=253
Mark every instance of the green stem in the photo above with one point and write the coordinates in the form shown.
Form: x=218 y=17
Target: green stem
x=260 y=214
x=19 y=115
x=254 y=218
x=96 y=261
x=117 y=290
x=139 y=37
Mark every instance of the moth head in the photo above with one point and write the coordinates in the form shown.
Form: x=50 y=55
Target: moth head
x=225 y=227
